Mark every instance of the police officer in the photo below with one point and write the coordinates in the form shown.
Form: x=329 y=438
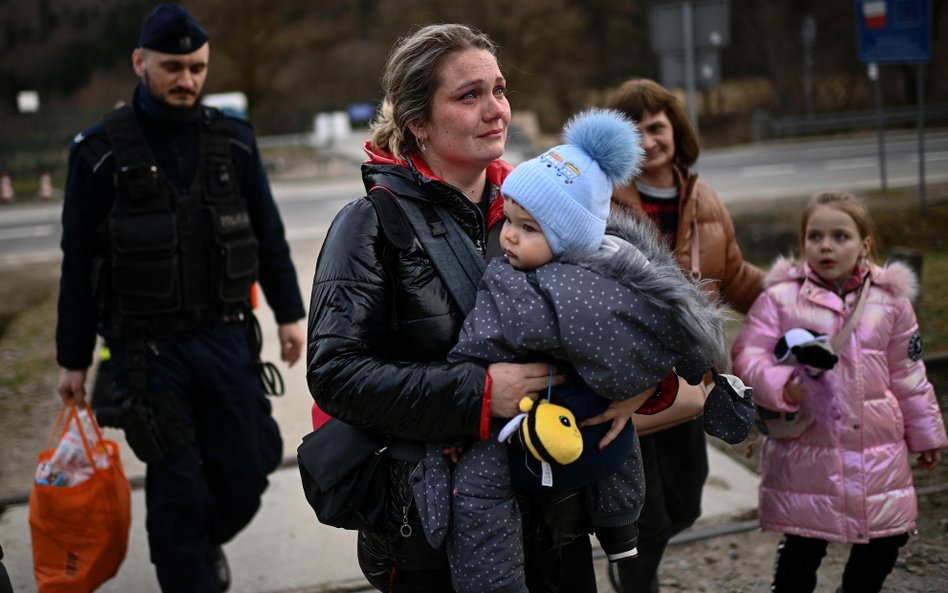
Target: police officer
x=168 y=220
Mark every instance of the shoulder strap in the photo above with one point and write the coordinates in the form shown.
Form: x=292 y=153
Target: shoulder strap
x=393 y=222
x=459 y=264
x=839 y=341
x=128 y=141
x=695 y=251
x=135 y=166
x=214 y=136
x=689 y=183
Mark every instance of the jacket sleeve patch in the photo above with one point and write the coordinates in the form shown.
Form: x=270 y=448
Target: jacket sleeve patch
x=915 y=348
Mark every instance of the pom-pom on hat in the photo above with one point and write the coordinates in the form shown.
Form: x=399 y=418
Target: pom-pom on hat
x=171 y=29
x=568 y=188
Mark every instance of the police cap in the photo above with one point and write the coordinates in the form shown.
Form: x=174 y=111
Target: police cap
x=171 y=29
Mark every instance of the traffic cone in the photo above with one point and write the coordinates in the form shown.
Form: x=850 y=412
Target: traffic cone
x=45 y=187
x=6 y=188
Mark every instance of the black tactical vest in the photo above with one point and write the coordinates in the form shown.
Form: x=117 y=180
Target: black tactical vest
x=174 y=258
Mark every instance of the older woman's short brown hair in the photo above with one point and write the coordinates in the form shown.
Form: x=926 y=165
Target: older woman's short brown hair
x=640 y=95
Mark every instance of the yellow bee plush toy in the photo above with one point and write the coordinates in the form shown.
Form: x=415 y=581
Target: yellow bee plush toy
x=548 y=431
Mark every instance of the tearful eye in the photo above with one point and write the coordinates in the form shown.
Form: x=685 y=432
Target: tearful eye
x=565 y=421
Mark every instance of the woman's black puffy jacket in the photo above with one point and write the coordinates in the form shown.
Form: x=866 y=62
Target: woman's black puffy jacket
x=381 y=321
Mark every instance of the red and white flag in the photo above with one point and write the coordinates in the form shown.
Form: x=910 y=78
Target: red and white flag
x=874 y=13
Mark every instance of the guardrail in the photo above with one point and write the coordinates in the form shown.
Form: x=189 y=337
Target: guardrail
x=765 y=126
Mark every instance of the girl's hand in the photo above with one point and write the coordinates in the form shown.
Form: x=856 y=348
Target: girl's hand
x=794 y=391
x=929 y=459
x=620 y=412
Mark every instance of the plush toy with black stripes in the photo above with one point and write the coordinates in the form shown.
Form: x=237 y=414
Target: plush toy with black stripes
x=548 y=431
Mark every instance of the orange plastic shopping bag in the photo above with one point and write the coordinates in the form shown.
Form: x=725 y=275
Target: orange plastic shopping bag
x=80 y=507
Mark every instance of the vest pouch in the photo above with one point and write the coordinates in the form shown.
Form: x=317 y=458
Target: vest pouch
x=145 y=263
x=240 y=270
x=146 y=285
x=142 y=182
x=154 y=232
x=238 y=249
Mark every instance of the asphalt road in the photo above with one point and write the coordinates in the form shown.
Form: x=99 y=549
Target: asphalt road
x=31 y=233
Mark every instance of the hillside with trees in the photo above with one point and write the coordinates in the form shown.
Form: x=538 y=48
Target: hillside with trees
x=295 y=58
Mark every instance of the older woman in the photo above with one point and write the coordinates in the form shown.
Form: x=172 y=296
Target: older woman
x=383 y=316
x=700 y=232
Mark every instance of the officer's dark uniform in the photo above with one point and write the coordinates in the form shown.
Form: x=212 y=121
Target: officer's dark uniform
x=165 y=226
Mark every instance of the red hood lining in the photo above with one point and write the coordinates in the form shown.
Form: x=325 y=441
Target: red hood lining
x=497 y=171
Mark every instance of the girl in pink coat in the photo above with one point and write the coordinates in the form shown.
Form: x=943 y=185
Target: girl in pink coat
x=847 y=477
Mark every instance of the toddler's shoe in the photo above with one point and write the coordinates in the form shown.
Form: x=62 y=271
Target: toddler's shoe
x=619 y=542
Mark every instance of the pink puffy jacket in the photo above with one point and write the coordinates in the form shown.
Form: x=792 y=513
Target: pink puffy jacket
x=848 y=477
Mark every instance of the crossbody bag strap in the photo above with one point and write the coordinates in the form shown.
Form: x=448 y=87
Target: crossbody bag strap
x=695 y=251
x=689 y=184
x=457 y=261
x=839 y=341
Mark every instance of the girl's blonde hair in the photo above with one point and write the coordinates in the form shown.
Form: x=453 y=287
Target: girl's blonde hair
x=844 y=202
x=411 y=77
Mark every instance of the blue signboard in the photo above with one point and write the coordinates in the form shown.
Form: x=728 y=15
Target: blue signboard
x=894 y=30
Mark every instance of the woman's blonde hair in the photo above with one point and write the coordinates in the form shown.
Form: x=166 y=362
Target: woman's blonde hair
x=844 y=202
x=410 y=78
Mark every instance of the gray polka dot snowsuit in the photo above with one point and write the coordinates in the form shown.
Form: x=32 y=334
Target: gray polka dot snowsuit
x=622 y=318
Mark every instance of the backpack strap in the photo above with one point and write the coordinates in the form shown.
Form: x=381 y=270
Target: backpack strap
x=394 y=225
x=457 y=261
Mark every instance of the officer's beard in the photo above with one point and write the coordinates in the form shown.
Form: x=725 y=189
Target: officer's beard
x=173 y=113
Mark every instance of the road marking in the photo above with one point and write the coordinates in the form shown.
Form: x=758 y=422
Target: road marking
x=929 y=157
x=845 y=164
x=27 y=232
x=768 y=170
x=37 y=257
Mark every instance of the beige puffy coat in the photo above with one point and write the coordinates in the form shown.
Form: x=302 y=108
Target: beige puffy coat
x=720 y=260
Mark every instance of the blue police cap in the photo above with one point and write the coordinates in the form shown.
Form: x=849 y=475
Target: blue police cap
x=171 y=29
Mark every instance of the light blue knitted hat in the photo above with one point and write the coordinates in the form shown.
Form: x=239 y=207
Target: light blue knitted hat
x=568 y=188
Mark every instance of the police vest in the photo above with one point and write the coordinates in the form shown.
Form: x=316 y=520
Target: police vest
x=175 y=258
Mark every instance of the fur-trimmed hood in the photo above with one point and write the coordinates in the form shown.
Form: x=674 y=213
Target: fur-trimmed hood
x=634 y=255
x=893 y=276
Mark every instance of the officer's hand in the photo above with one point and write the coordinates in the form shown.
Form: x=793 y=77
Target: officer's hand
x=291 y=342
x=72 y=386
x=512 y=382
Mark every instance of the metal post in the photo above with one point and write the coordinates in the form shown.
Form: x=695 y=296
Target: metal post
x=808 y=36
x=687 y=29
x=920 y=89
x=874 y=75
